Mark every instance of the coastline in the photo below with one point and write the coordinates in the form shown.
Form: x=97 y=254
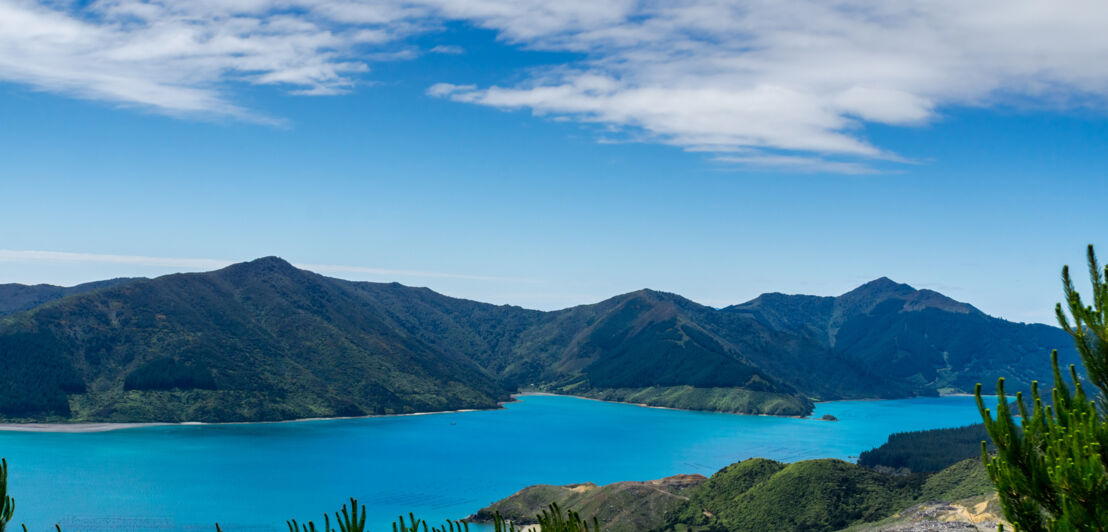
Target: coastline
x=93 y=427
x=644 y=405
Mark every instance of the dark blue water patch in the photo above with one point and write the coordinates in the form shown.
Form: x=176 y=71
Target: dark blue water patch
x=252 y=477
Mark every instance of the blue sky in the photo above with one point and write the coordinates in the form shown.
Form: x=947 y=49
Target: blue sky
x=552 y=155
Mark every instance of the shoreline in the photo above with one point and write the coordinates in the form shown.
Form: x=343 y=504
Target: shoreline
x=644 y=405
x=94 y=427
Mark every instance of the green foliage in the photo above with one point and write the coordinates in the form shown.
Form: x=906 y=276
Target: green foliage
x=348 y=520
x=735 y=400
x=37 y=377
x=19 y=297
x=961 y=480
x=552 y=519
x=7 y=504
x=759 y=494
x=816 y=495
x=629 y=506
x=169 y=374
x=926 y=451
x=1050 y=469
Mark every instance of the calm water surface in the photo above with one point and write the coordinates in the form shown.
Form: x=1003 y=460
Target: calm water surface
x=252 y=477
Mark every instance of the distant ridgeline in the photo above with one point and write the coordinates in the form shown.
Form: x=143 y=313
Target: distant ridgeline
x=264 y=340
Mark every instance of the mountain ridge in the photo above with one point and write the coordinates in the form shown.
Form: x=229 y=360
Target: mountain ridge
x=266 y=340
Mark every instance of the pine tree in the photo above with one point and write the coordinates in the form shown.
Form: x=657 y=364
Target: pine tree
x=1050 y=469
x=7 y=504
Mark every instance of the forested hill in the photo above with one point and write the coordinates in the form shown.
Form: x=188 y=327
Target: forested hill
x=20 y=297
x=254 y=341
x=265 y=340
x=917 y=337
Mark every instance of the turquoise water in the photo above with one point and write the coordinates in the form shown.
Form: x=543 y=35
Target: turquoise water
x=253 y=477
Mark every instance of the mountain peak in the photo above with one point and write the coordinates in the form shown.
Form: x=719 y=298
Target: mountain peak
x=866 y=297
x=272 y=261
x=882 y=286
x=656 y=296
x=271 y=265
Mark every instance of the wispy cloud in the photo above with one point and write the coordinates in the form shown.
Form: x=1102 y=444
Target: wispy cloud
x=799 y=77
x=448 y=49
x=794 y=163
x=184 y=57
x=34 y=256
x=65 y=257
x=795 y=80
x=340 y=269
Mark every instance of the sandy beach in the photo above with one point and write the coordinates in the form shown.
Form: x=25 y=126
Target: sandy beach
x=73 y=427
x=77 y=428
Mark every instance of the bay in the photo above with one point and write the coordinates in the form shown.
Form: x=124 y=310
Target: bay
x=252 y=477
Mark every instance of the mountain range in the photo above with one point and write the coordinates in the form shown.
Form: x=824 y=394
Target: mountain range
x=263 y=340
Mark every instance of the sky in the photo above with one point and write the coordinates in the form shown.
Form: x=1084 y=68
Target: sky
x=549 y=154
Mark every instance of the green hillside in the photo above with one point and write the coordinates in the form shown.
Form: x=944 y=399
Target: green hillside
x=919 y=339
x=19 y=297
x=264 y=340
x=254 y=341
x=756 y=495
x=621 y=506
x=760 y=494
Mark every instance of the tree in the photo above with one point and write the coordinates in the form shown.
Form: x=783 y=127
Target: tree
x=1050 y=469
x=7 y=504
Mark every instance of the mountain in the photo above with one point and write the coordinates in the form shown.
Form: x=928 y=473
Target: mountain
x=19 y=297
x=264 y=340
x=254 y=341
x=920 y=341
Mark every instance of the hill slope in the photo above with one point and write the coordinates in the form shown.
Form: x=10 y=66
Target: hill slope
x=265 y=340
x=919 y=340
x=19 y=297
x=759 y=494
x=620 y=506
x=254 y=341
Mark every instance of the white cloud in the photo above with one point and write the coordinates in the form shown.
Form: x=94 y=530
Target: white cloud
x=448 y=49
x=793 y=79
x=66 y=257
x=180 y=57
x=794 y=163
x=779 y=80
x=421 y=274
x=35 y=256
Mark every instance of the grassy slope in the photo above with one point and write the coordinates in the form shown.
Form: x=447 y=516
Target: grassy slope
x=757 y=495
x=807 y=495
x=621 y=507
x=817 y=495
